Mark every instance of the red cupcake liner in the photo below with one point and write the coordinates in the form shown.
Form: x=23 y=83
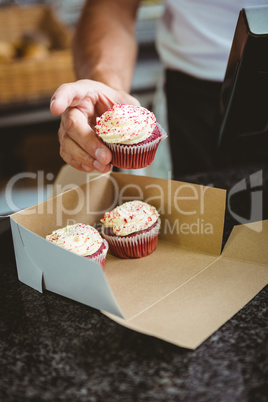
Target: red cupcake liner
x=136 y=156
x=100 y=256
x=137 y=246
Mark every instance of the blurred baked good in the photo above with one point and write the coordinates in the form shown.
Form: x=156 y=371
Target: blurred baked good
x=33 y=45
x=7 y=51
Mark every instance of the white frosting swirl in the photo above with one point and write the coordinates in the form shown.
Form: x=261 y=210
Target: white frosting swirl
x=130 y=217
x=125 y=124
x=79 y=238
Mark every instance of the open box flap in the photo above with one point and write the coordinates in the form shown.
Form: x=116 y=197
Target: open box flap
x=194 y=310
x=28 y=271
x=64 y=273
x=197 y=307
x=139 y=283
x=69 y=177
x=248 y=243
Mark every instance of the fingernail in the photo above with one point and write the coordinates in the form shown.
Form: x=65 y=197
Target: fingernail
x=101 y=155
x=99 y=166
x=87 y=168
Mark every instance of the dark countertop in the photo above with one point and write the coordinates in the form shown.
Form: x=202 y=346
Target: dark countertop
x=55 y=349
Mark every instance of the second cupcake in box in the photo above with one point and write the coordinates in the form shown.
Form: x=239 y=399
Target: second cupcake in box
x=131 y=229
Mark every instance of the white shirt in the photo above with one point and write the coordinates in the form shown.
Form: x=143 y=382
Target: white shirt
x=195 y=36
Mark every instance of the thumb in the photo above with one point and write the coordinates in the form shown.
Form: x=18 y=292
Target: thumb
x=60 y=100
x=68 y=95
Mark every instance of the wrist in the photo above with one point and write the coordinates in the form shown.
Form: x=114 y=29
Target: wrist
x=105 y=76
x=113 y=79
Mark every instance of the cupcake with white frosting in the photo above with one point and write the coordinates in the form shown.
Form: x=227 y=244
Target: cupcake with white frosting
x=131 y=133
x=81 y=239
x=131 y=229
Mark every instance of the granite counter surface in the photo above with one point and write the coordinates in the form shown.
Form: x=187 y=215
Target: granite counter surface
x=54 y=349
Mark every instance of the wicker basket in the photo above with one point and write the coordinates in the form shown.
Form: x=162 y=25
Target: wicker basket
x=29 y=79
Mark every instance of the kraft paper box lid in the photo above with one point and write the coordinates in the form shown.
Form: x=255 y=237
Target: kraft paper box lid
x=181 y=293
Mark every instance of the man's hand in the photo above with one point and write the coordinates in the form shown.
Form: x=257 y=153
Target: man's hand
x=80 y=103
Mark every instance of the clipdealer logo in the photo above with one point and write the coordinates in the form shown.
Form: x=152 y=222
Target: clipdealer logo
x=254 y=187
x=248 y=189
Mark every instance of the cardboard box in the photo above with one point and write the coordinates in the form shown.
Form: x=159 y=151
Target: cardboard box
x=181 y=293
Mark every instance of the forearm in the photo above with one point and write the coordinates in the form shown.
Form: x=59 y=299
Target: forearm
x=104 y=45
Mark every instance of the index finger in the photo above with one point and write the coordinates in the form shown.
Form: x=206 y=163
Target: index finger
x=67 y=95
